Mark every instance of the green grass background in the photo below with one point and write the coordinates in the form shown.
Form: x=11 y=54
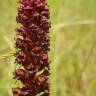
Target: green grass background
x=73 y=40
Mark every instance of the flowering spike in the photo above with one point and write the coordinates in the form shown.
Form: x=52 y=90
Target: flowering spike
x=33 y=44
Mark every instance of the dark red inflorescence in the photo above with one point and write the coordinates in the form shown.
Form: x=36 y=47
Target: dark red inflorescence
x=33 y=44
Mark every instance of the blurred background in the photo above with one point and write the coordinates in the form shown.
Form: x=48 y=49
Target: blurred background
x=73 y=52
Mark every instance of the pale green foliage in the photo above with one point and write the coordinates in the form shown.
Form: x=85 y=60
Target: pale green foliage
x=73 y=37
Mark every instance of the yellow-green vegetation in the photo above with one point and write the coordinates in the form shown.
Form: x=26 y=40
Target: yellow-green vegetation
x=73 y=52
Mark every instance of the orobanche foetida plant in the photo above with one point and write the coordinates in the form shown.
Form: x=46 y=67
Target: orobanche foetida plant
x=32 y=42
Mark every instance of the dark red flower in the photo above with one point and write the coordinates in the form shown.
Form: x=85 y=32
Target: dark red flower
x=33 y=44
